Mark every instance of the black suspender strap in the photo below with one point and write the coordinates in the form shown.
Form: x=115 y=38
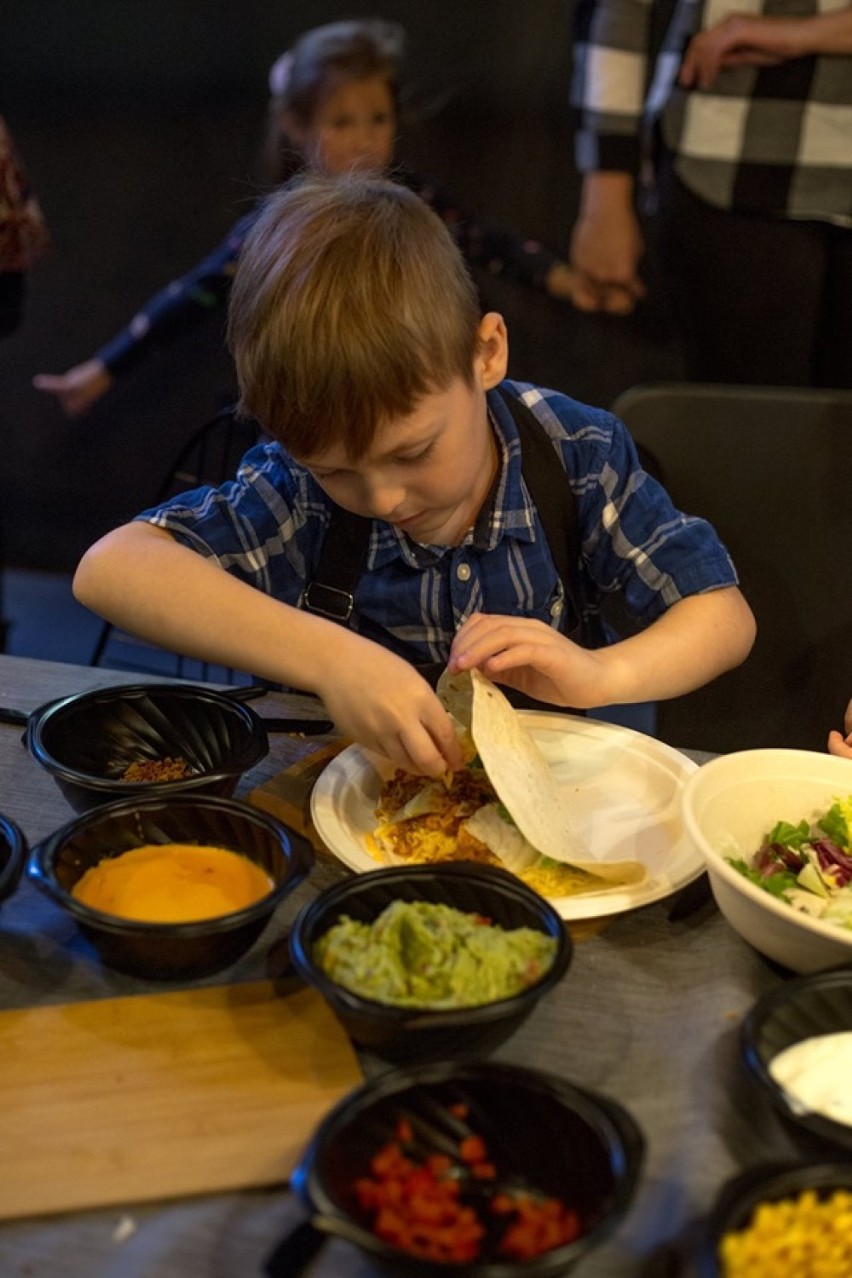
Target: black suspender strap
x=344 y=550
x=550 y=489
x=342 y=560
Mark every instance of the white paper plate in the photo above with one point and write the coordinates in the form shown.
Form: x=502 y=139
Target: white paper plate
x=625 y=800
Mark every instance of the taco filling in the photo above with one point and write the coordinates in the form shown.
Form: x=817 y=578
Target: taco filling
x=503 y=808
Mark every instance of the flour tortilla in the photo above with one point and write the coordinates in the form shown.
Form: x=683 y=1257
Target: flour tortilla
x=488 y=723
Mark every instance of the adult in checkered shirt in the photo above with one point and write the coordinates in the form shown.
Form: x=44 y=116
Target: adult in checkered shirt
x=744 y=123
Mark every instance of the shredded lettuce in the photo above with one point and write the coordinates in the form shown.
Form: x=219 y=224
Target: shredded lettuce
x=791 y=836
x=776 y=884
x=837 y=822
x=808 y=862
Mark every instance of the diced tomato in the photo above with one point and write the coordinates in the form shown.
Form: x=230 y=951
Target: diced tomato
x=419 y=1206
x=472 y=1149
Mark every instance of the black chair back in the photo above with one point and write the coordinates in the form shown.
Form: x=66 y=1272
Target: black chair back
x=771 y=469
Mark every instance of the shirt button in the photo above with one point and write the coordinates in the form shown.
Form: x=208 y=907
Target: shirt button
x=463 y=572
x=556 y=608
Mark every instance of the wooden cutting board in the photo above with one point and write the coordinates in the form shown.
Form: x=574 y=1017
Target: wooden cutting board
x=160 y=1095
x=287 y=795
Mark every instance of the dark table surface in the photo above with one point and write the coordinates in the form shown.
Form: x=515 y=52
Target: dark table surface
x=648 y=1014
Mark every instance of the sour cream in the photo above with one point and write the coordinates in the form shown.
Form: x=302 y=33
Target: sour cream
x=815 y=1075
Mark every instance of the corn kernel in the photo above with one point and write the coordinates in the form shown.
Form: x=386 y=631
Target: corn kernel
x=802 y=1237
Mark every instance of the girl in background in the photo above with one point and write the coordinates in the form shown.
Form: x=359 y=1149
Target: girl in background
x=333 y=108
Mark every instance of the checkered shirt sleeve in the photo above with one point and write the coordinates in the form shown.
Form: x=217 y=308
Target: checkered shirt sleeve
x=774 y=139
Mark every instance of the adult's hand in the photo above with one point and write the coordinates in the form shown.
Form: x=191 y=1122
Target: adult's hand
x=744 y=39
x=607 y=246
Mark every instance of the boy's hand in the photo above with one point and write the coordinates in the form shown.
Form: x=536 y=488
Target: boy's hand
x=693 y=641
x=381 y=702
x=837 y=742
x=532 y=657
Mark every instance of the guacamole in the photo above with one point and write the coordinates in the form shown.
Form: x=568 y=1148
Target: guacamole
x=419 y=954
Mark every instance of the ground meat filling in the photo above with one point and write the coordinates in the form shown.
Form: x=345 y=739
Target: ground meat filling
x=436 y=835
x=157 y=770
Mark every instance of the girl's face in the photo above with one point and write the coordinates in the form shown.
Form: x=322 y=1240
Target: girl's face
x=352 y=129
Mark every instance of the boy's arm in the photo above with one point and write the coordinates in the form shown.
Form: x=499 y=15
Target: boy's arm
x=695 y=640
x=142 y=579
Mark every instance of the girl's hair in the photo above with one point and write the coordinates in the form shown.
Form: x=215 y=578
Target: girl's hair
x=350 y=302
x=318 y=63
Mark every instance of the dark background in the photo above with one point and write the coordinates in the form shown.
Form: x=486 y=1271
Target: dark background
x=140 y=124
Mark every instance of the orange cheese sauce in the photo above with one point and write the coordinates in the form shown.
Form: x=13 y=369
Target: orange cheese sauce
x=172 y=883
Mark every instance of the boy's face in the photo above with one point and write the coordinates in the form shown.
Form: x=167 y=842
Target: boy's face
x=352 y=128
x=429 y=473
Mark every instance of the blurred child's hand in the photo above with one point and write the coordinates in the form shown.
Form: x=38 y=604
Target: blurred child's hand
x=561 y=281
x=382 y=703
x=837 y=742
x=77 y=389
x=532 y=657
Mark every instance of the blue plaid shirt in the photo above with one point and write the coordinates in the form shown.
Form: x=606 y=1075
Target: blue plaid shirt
x=267 y=527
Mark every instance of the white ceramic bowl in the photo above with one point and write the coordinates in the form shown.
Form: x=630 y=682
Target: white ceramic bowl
x=728 y=805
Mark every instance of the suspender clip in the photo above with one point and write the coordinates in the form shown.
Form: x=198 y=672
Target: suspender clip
x=328 y=601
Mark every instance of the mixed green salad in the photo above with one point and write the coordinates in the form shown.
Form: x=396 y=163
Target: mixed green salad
x=808 y=865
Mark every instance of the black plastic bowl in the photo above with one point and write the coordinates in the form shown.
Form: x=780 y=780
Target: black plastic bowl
x=13 y=853
x=169 y=951
x=803 y=1007
x=86 y=741
x=740 y=1197
x=541 y=1133
x=405 y=1034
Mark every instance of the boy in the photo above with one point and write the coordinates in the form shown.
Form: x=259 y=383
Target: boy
x=360 y=349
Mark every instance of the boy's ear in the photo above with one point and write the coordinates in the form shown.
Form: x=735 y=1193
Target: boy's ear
x=492 y=356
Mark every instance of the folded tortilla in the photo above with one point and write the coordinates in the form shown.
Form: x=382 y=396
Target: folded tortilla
x=506 y=807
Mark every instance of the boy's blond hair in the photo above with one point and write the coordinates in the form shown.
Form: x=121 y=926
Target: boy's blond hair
x=350 y=303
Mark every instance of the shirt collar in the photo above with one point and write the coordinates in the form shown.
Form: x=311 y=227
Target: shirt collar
x=509 y=509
